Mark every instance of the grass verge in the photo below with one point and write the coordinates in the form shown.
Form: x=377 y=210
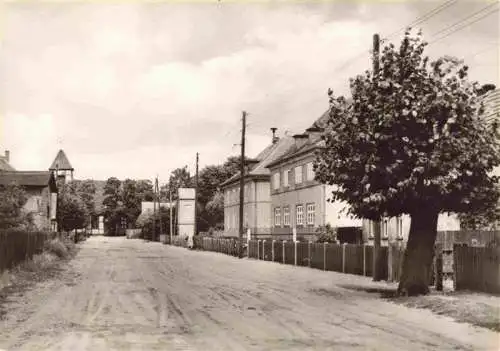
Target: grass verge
x=39 y=268
x=479 y=309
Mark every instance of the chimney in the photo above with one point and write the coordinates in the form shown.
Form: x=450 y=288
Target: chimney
x=314 y=133
x=275 y=138
x=7 y=155
x=300 y=140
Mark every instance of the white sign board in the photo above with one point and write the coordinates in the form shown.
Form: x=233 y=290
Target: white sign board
x=53 y=205
x=186 y=212
x=294 y=232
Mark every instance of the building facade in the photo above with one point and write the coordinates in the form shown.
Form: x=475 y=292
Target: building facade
x=257 y=196
x=298 y=201
x=41 y=191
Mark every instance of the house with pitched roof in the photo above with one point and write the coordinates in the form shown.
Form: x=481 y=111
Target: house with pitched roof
x=257 y=200
x=298 y=200
x=41 y=190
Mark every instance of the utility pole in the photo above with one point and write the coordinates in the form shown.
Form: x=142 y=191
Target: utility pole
x=377 y=266
x=171 y=219
x=242 y=184
x=154 y=213
x=159 y=204
x=196 y=198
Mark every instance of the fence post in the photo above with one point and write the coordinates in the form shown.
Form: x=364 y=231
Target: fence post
x=272 y=250
x=390 y=273
x=324 y=256
x=343 y=257
x=439 y=271
x=295 y=252
x=284 y=242
x=258 y=249
x=264 y=249
x=309 y=252
x=364 y=260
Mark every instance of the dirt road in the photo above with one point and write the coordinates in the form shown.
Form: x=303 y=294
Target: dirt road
x=120 y=294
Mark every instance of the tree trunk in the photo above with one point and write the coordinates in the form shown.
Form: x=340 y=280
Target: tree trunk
x=419 y=253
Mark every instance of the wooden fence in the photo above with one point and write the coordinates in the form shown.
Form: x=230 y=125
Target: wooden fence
x=345 y=258
x=18 y=246
x=477 y=268
x=221 y=245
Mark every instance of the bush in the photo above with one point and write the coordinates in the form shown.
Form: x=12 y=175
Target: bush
x=326 y=234
x=57 y=247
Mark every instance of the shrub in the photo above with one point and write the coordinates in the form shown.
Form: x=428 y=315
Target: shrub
x=57 y=247
x=326 y=234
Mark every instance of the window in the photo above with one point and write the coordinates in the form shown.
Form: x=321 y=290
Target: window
x=276 y=180
x=310 y=171
x=277 y=217
x=286 y=177
x=310 y=214
x=298 y=175
x=299 y=219
x=286 y=216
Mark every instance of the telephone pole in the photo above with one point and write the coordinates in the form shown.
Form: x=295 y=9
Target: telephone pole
x=377 y=266
x=154 y=213
x=159 y=204
x=196 y=198
x=171 y=219
x=242 y=184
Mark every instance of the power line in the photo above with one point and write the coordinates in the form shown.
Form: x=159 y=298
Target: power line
x=424 y=17
x=488 y=48
x=463 y=24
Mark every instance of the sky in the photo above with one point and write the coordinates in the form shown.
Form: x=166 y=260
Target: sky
x=134 y=90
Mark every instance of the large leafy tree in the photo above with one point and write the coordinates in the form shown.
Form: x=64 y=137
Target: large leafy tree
x=411 y=140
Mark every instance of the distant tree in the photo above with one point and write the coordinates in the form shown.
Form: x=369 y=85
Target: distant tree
x=411 y=141
x=146 y=221
x=86 y=190
x=145 y=190
x=71 y=210
x=179 y=178
x=12 y=200
x=113 y=205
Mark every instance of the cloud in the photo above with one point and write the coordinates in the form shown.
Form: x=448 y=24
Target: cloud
x=138 y=89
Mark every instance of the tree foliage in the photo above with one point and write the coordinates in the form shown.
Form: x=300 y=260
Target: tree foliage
x=122 y=201
x=12 y=200
x=411 y=140
x=72 y=212
x=410 y=137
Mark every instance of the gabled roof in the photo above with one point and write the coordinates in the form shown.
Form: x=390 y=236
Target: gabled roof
x=27 y=178
x=314 y=140
x=61 y=162
x=266 y=156
x=5 y=166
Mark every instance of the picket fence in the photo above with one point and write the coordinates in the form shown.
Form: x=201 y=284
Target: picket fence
x=18 y=246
